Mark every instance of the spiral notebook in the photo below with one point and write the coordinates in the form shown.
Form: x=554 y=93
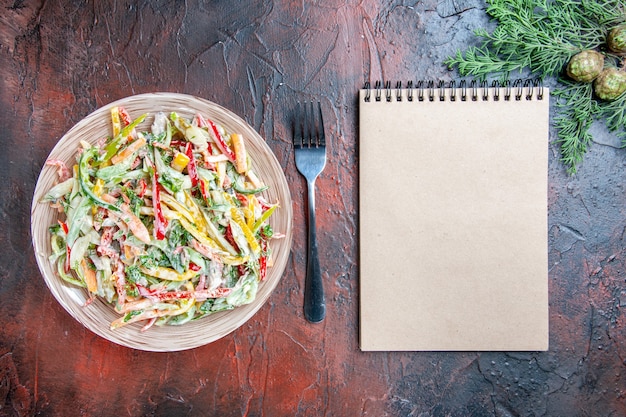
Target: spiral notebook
x=453 y=217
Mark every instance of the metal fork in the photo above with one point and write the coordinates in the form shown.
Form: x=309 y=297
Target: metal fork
x=309 y=142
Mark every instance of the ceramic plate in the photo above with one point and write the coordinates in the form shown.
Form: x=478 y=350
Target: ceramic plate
x=98 y=315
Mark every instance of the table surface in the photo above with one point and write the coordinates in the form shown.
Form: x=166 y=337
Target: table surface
x=59 y=61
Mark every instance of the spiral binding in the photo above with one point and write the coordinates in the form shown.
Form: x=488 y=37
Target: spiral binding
x=475 y=91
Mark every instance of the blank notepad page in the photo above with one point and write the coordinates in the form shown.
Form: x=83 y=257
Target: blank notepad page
x=453 y=220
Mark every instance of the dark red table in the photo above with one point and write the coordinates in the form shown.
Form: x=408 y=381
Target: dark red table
x=61 y=60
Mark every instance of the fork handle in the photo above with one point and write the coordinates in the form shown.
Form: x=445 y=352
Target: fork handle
x=314 y=302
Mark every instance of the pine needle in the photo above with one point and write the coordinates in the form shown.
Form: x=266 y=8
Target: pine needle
x=541 y=36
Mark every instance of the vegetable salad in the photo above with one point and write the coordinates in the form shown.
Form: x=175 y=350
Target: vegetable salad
x=168 y=225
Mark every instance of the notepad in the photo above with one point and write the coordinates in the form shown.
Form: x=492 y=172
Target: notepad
x=453 y=218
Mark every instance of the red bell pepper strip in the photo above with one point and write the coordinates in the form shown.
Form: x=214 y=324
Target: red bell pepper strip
x=242 y=269
x=191 y=166
x=263 y=261
x=201 y=121
x=141 y=191
x=242 y=199
x=160 y=223
x=264 y=205
x=221 y=143
x=193 y=173
x=262 y=267
x=204 y=190
x=63 y=225
x=68 y=250
x=175 y=143
x=228 y=234
x=124 y=116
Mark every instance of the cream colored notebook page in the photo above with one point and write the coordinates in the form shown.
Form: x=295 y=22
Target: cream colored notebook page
x=453 y=219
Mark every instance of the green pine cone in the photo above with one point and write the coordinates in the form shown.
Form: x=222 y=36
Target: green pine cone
x=617 y=39
x=585 y=66
x=610 y=84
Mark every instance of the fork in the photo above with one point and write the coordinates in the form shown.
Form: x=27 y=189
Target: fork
x=309 y=143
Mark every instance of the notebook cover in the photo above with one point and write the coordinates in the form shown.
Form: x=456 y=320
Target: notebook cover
x=453 y=224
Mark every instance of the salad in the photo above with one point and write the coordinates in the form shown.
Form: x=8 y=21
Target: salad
x=168 y=225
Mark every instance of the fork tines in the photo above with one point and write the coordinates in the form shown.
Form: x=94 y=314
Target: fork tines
x=310 y=126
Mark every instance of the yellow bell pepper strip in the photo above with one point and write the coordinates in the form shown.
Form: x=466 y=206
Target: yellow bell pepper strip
x=115 y=120
x=97 y=190
x=180 y=162
x=98 y=187
x=169 y=274
x=211 y=248
x=218 y=237
x=190 y=210
x=220 y=168
x=86 y=187
x=195 y=211
x=237 y=218
x=241 y=157
x=249 y=211
x=200 y=236
x=221 y=143
x=176 y=207
x=229 y=199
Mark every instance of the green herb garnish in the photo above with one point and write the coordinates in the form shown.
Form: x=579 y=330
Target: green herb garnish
x=541 y=36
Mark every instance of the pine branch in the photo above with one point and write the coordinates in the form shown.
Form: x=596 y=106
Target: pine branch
x=614 y=115
x=575 y=110
x=541 y=36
